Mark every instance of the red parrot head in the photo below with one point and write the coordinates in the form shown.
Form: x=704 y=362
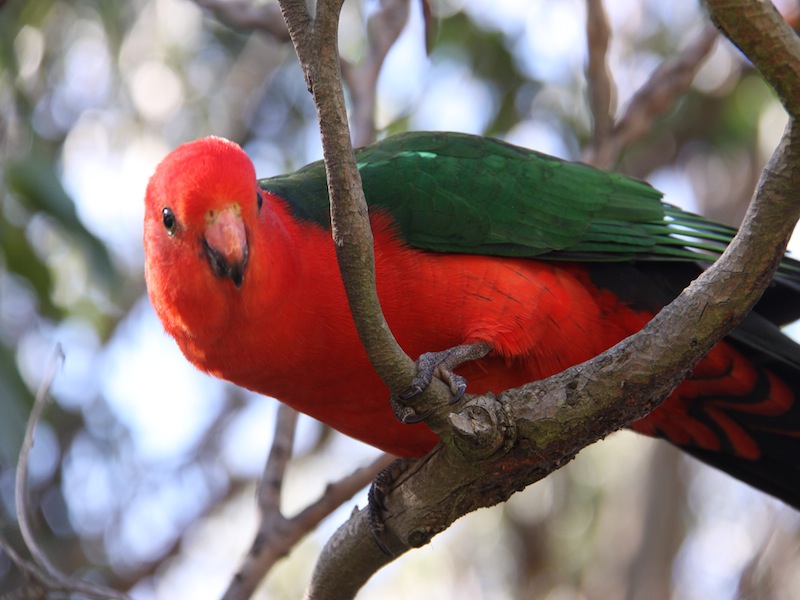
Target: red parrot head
x=200 y=206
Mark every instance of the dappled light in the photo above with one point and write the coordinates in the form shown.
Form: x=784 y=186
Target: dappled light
x=143 y=474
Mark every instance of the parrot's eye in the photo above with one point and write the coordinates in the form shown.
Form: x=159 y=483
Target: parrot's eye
x=259 y=200
x=168 y=218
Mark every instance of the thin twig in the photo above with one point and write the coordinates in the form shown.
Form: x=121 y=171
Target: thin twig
x=340 y=491
x=245 y=14
x=30 y=590
x=44 y=571
x=602 y=90
x=271 y=484
x=269 y=543
x=384 y=26
x=30 y=570
x=669 y=82
x=21 y=487
x=277 y=535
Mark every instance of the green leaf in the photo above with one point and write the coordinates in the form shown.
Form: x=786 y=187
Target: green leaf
x=38 y=188
x=21 y=259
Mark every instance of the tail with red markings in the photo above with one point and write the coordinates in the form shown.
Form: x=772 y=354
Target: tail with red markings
x=739 y=411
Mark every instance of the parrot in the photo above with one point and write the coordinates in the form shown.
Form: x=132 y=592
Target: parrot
x=534 y=262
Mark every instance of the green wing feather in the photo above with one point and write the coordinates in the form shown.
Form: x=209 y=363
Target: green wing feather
x=451 y=192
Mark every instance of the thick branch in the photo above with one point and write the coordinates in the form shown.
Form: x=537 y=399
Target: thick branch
x=544 y=424
x=553 y=419
x=762 y=34
x=548 y=422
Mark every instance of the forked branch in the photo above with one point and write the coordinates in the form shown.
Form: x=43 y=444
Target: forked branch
x=543 y=424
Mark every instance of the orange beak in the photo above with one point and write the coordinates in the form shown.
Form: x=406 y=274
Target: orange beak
x=225 y=243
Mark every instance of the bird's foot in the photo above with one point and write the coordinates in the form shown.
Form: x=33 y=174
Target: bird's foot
x=439 y=365
x=376 y=500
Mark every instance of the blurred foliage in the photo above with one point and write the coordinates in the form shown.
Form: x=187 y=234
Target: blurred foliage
x=93 y=94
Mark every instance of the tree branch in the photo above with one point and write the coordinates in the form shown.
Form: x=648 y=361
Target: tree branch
x=21 y=483
x=384 y=26
x=276 y=534
x=524 y=434
x=602 y=91
x=245 y=14
x=666 y=85
x=763 y=35
x=544 y=424
x=44 y=575
x=551 y=420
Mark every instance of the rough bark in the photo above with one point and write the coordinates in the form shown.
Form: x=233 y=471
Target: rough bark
x=497 y=445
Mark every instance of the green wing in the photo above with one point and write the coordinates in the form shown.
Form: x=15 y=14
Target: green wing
x=451 y=192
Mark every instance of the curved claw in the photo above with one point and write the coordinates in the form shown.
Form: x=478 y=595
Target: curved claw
x=376 y=526
x=461 y=387
x=440 y=365
x=406 y=414
x=413 y=390
x=376 y=500
x=416 y=418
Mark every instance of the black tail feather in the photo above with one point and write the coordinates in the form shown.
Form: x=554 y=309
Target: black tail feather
x=649 y=286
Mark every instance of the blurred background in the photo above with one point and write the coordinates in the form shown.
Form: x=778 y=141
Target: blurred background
x=143 y=470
